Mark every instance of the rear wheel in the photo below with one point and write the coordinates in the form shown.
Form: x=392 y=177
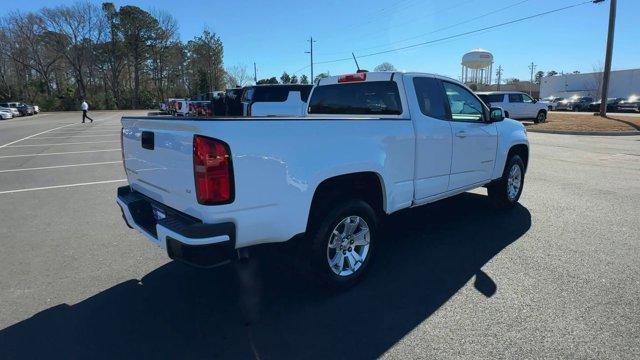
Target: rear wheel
x=506 y=192
x=342 y=244
x=541 y=117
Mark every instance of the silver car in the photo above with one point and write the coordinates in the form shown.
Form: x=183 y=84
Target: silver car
x=8 y=113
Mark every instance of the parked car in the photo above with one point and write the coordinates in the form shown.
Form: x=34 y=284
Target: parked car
x=612 y=104
x=25 y=109
x=275 y=100
x=632 y=103
x=14 y=111
x=181 y=107
x=201 y=108
x=371 y=144
x=172 y=105
x=516 y=105
x=5 y=113
x=552 y=102
x=13 y=106
x=576 y=103
x=36 y=109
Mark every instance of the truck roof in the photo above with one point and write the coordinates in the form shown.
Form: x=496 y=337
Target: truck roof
x=378 y=76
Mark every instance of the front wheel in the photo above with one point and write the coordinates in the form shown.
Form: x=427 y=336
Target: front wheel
x=505 y=192
x=342 y=244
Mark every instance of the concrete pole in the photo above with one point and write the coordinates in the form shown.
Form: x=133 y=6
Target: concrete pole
x=607 y=59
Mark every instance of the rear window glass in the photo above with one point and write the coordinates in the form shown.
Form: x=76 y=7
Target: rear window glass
x=363 y=98
x=491 y=98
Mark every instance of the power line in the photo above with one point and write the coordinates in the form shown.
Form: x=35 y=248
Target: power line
x=448 y=26
x=422 y=15
x=461 y=34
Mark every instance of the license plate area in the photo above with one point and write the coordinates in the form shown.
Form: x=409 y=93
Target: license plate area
x=158 y=213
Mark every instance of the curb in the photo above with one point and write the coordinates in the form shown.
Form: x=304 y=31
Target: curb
x=591 y=133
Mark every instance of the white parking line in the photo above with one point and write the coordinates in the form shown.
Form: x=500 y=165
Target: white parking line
x=72 y=136
x=50 y=130
x=61 y=186
x=58 y=153
x=68 y=131
x=60 y=166
x=34 y=135
x=76 y=143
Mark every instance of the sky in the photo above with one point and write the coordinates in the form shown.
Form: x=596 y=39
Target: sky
x=275 y=34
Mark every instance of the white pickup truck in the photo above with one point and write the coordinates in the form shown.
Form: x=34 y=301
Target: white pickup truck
x=371 y=144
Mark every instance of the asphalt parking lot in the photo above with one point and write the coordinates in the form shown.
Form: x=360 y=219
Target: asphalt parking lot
x=557 y=277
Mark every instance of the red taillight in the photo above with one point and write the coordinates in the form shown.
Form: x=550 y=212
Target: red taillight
x=212 y=171
x=352 y=77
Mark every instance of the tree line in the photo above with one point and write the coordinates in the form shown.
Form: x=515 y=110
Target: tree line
x=115 y=58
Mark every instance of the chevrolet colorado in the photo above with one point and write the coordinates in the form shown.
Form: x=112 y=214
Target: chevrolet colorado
x=370 y=144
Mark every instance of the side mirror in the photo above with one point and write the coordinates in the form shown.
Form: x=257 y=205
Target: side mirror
x=535 y=101
x=496 y=114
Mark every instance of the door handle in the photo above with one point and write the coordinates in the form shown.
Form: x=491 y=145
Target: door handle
x=461 y=134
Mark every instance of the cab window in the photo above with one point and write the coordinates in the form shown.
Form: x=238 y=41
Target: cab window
x=463 y=104
x=527 y=99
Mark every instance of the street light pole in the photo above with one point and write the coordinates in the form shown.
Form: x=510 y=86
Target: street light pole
x=607 y=59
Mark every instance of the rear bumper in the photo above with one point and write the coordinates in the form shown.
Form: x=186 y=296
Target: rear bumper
x=184 y=238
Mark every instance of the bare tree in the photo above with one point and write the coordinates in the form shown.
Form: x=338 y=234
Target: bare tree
x=596 y=82
x=238 y=75
x=71 y=32
x=385 y=66
x=166 y=35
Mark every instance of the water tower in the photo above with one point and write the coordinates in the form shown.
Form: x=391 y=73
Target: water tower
x=477 y=67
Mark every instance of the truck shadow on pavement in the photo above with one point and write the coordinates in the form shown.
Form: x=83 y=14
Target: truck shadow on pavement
x=261 y=309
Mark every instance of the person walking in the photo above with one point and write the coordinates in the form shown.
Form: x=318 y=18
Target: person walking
x=85 y=108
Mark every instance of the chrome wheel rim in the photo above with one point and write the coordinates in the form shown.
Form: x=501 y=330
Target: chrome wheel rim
x=514 y=182
x=541 y=117
x=348 y=245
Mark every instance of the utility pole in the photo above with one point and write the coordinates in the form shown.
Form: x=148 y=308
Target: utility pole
x=255 y=73
x=532 y=67
x=311 y=41
x=607 y=59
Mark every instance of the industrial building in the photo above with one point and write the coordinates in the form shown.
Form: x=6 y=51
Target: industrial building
x=622 y=84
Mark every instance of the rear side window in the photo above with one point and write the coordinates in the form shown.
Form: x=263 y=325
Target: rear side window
x=430 y=97
x=304 y=93
x=515 y=98
x=492 y=98
x=362 y=98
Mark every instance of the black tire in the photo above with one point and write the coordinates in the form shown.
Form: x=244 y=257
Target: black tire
x=320 y=235
x=499 y=190
x=540 y=117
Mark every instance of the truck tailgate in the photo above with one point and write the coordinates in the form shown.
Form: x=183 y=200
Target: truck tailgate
x=158 y=158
